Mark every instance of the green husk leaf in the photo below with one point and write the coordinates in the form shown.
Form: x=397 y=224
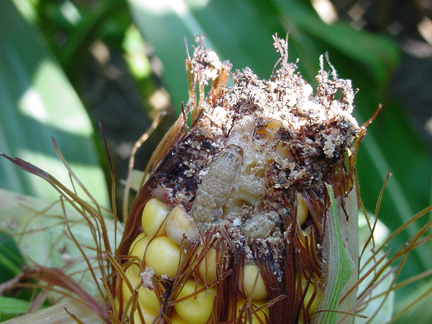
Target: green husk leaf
x=340 y=266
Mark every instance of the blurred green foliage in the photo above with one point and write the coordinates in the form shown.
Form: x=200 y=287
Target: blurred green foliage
x=69 y=36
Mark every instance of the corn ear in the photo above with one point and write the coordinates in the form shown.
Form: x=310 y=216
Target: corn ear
x=249 y=215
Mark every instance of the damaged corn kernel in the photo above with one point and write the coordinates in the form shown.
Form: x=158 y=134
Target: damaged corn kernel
x=179 y=223
x=252 y=193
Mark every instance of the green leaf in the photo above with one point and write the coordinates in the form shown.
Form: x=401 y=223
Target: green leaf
x=339 y=263
x=11 y=259
x=12 y=306
x=38 y=102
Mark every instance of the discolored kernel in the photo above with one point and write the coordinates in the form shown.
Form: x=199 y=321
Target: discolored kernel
x=178 y=223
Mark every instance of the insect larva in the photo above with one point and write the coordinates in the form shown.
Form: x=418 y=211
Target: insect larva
x=260 y=225
x=215 y=187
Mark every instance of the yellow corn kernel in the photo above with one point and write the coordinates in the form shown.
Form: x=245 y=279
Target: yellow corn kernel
x=176 y=319
x=147 y=298
x=243 y=195
x=257 y=317
x=270 y=128
x=178 y=223
x=116 y=306
x=139 y=246
x=147 y=315
x=153 y=217
x=307 y=298
x=302 y=210
x=283 y=150
x=163 y=256
x=207 y=267
x=253 y=283
x=196 y=309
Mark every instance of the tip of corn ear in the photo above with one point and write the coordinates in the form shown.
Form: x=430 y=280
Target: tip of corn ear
x=242 y=228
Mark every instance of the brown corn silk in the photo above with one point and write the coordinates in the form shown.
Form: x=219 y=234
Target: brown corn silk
x=291 y=143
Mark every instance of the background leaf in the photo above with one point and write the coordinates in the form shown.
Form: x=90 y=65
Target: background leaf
x=37 y=102
x=11 y=307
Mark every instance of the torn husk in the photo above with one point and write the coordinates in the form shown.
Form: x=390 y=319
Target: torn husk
x=264 y=180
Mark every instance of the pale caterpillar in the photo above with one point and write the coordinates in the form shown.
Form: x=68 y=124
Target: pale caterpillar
x=216 y=185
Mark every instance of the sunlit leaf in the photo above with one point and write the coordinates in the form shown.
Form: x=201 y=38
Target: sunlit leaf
x=38 y=102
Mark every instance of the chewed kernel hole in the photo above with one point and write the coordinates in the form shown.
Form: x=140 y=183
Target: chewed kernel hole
x=269 y=129
x=244 y=197
x=283 y=150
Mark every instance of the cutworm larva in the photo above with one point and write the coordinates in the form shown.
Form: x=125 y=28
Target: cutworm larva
x=216 y=185
x=260 y=225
